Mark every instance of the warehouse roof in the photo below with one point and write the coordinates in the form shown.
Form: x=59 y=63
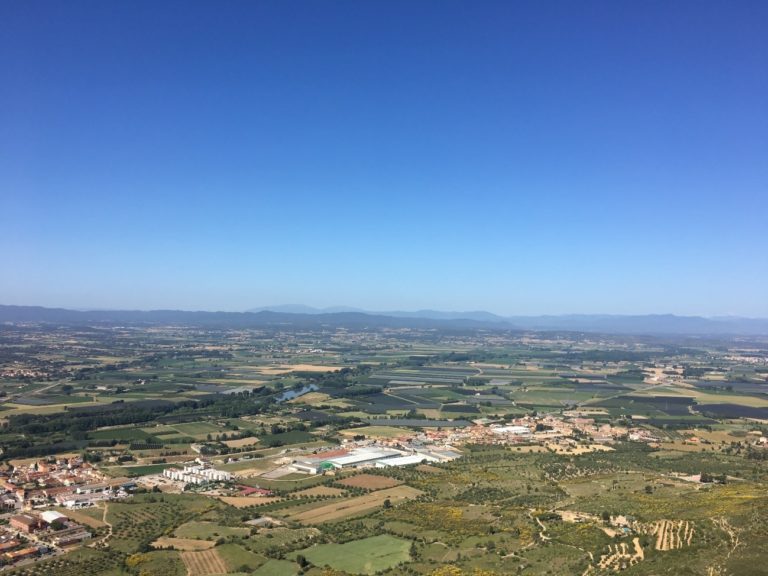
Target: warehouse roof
x=404 y=460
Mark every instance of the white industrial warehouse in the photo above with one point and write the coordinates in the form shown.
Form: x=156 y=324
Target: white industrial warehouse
x=364 y=458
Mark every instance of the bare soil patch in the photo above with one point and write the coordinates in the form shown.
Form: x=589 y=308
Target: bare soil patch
x=183 y=544
x=355 y=506
x=320 y=491
x=242 y=442
x=285 y=368
x=312 y=398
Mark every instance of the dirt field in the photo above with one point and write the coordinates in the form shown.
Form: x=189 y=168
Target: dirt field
x=428 y=468
x=82 y=518
x=242 y=442
x=312 y=367
x=202 y=563
x=355 y=506
x=285 y=368
x=320 y=491
x=379 y=432
x=245 y=501
x=183 y=544
x=312 y=398
x=370 y=482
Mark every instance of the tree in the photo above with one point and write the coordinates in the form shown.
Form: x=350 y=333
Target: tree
x=57 y=525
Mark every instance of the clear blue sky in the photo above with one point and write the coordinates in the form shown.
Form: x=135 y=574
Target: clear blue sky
x=519 y=157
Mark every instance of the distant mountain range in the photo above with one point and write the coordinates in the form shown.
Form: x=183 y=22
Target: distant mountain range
x=307 y=317
x=608 y=323
x=479 y=315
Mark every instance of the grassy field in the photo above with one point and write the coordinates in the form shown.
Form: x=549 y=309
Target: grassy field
x=119 y=434
x=277 y=568
x=197 y=429
x=207 y=530
x=238 y=559
x=92 y=517
x=366 y=556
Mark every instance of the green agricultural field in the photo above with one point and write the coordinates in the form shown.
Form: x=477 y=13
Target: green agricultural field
x=277 y=568
x=207 y=531
x=198 y=429
x=285 y=438
x=280 y=538
x=239 y=559
x=125 y=434
x=366 y=556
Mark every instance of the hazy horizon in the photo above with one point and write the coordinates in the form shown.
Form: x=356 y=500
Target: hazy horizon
x=296 y=309
x=522 y=158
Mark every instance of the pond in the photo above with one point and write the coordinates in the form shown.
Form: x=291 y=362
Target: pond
x=291 y=394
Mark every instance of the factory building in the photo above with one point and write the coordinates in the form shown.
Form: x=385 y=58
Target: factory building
x=405 y=460
x=512 y=430
x=25 y=523
x=51 y=516
x=362 y=457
